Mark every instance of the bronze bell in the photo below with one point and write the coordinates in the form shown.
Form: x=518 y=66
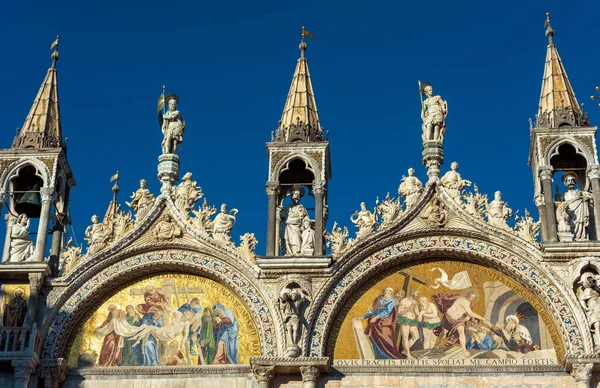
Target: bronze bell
x=30 y=203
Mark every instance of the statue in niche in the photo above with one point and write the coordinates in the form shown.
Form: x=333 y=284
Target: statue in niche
x=172 y=126
x=96 y=235
x=365 y=221
x=21 y=246
x=166 y=229
x=294 y=216
x=411 y=188
x=433 y=113
x=292 y=304
x=498 y=211
x=453 y=182
x=223 y=223
x=527 y=229
x=187 y=193
x=589 y=298
x=577 y=207
x=142 y=201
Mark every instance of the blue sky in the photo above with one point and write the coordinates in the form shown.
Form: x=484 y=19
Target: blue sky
x=231 y=64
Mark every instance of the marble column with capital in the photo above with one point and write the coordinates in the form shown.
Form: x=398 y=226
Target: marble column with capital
x=545 y=174
x=540 y=203
x=319 y=192
x=22 y=372
x=10 y=221
x=593 y=173
x=310 y=376
x=582 y=373
x=264 y=375
x=35 y=284
x=48 y=196
x=272 y=224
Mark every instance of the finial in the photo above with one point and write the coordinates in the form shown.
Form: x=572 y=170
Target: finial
x=594 y=97
x=549 y=30
x=303 y=45
x=54 y=55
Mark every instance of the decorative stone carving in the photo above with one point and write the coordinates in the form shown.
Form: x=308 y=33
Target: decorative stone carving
x=122 y=224
x=475 y=203
x=70 y=257
x=337 y=240
x=498 y=211
x=292 y=305
x=186 y=194
x=296 y=220
x=247 y=247
x=202 y=217
x=310 y=375
x=21 y=246
x=593 y=171
x=433 y=113
x=582 y=373
x=411 y=189
x=222 y=225
x=527 y=229
x=142 y=201
x=453 y=182
x=589 y=298
x=389 y=209
x=545 y=172
x=172 y=126
x=166 y=229
x=576 y=206
x=23 y=369
x=539 y=200
x=435 y=214
x=263 y=374
x=97 y=236
x=365 y=221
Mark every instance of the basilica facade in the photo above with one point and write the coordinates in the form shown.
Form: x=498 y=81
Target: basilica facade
x=439 y=286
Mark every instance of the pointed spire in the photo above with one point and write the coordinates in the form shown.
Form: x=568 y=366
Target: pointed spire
x=300 y=120
x=42 y=127
x=558 y=105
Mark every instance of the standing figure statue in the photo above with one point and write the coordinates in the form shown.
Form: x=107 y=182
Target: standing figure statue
x=453 y=182
x=293 y=215
x=21 y=246
x=498 y=211
x=577 y=206
x=364 y=220
x=186 y=194
x=96 y=236
x=410 y=188
x=433 y=113
x=223 y=223
x=589 y=298
x=142 y=200
x=172 y=126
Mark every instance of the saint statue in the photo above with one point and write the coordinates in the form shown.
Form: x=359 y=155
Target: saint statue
x=433 y=113
x=172 y=126
x=166 y=229
x=577 y=206
x=223 y=223
x=293 y=215
x=96 y=236
x=453 y=182
x=186 y=194
x=410 y=188
x=589 y=298
x=21 y=246
x=142 y=200
x=498 y=211
x=15 y=309
x=365 y=221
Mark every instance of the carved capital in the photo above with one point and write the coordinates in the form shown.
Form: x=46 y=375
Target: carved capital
x=263 y=374
x=582 y=372
x=593 y=171
x=319 y=188
x=48 y=193
x=53 y=373
x=309 y=374
x=539 y=200
x=23 y=369
x=3 y=196
x=545 y=172
x=35 y=282
x=272 y=188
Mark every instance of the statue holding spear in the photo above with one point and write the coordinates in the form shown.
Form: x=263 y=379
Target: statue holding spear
x=433 y=113
x=171 y=122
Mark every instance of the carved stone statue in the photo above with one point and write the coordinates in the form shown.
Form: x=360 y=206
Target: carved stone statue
x=589 y=298
x=433 y=112
x=166 y=229
x=142 y=201
x=453 y=182
x=435 y=213
x=21 y=246
x=411 y=188
x=365 y=221
x=577 y=206
x=498 y=211
x=337 y=240
x=292 y=305
x=96 y=235
x=527 y=229
x=388 y=209
x=223 y=223
x=293 y=215
x=248 y=246
x=173 y=126
x=186 y=194
x=308 y=237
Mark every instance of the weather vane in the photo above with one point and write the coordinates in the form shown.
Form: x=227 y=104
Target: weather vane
x=594 y=97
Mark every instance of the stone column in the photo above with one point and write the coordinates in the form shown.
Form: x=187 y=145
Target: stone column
x=310 y=375
x=10 y=221
x=35 y=283
x=168 y=172
x=264 y=375
x=582 y=373
x=53 y=372
x=594 y=176
x=538 y=199
x=47 y=194
x=319 y=192
x=545 y=174
x=272 y=222
x=58 y=228
x=22 y=372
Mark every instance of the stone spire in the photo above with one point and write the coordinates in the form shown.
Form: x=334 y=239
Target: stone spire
x=42 y=127
x=558 y=105
x=300 y=120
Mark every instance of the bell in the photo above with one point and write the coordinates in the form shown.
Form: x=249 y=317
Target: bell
x=30 y=203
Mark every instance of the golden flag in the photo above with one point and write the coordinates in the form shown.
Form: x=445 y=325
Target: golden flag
x=55 y=43
x=161 y=102
x=308 y=34
x=115 y=177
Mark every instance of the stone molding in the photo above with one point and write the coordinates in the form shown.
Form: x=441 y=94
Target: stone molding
x=241 y=369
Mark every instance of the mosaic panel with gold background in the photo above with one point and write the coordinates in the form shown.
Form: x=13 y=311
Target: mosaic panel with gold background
x=14 y=299
x=165 y=320
x=446 y=313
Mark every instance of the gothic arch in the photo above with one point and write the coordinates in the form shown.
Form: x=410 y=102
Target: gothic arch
x=521 y=267
x=311 y=164
x=80 y=297
x=13 y=170
x=580 y=149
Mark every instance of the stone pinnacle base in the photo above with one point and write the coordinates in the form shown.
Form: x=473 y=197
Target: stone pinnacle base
x=433 y=158
x=168 y=171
